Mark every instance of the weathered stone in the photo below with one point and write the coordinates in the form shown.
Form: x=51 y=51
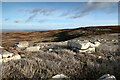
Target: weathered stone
x=97 y=44
x=83 y=51
x=59 y=76
x=22 y=44
x=7 y=59
x=107 y=77
x=99 y=57
x=17 y=56
x=89 y=50
x=1 y=47
x=0 y=61
x=50 y=50
x=0 y=56
x=92 y=49
x=79 y=44
x=7 y=54
x=33 y=48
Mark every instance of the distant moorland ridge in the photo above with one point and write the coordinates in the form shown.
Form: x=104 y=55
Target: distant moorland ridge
x=9 y=38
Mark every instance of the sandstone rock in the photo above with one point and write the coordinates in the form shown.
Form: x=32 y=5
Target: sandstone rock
x=7 y=59
x=107 y=77
x=97 y=44
x=1 y=47
x=89 y=50
x=17 y=56
x=22 y=44
x=59 y=76
x=92 y=49
x=33 y=48
x=50 y=50
x=79 y=44
x=7 y=54
x=83 y=51
x=0 y=56
x=99 y=57
x=0 y=61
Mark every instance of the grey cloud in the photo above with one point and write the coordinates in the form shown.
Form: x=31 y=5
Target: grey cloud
x=18 y=21
x=42 y=21
x=40 y=11
x=92 y=6
x=67 y=13
x=31 y=17
x=6 y=19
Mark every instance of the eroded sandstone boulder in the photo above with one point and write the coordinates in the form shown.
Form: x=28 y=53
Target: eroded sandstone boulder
x=7 y=56
x=84 y=45
x=33 y=48
x=21 y=44
x=79 y=44
x=107 y=77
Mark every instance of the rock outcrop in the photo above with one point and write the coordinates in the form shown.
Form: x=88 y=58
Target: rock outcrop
x=33 y=48
x=21 y=44
x=107 y=77
x=7 y=56
x=84 y=45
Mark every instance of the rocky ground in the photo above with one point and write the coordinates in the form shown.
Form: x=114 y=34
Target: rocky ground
x=58 y=58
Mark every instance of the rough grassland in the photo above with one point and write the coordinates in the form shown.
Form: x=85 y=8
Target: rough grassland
x=44 y=64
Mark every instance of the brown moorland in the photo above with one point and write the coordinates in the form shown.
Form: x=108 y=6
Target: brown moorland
x=9 y=38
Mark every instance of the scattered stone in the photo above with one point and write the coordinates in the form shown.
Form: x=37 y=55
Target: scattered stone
x=92 y=49
x=7 y=59
x=96 y=44
x=33 y=48
x=1 y=47
x=7 y=54
x=83 y=51
x=50 y=50
x=84 y=45
x=0 y=58
x=22 y=44
x=107 y=77
x=17 y=56
x=99 y=57
x=99 y=40
x=79 y=44
x=59 y=76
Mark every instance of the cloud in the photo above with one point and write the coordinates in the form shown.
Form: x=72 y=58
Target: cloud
x=91 y=6
x=18 y=21
x=40 y=11
x=67 y=13
x=6 y=19
x=31 y=17
x=42 y=21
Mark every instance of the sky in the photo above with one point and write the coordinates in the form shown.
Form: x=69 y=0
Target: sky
x=57 y=15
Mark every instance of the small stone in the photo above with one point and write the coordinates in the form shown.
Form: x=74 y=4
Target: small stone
x=59 y=76
x=107 y=77
x=50 y=50
x=1 y=47
x=99 y=57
